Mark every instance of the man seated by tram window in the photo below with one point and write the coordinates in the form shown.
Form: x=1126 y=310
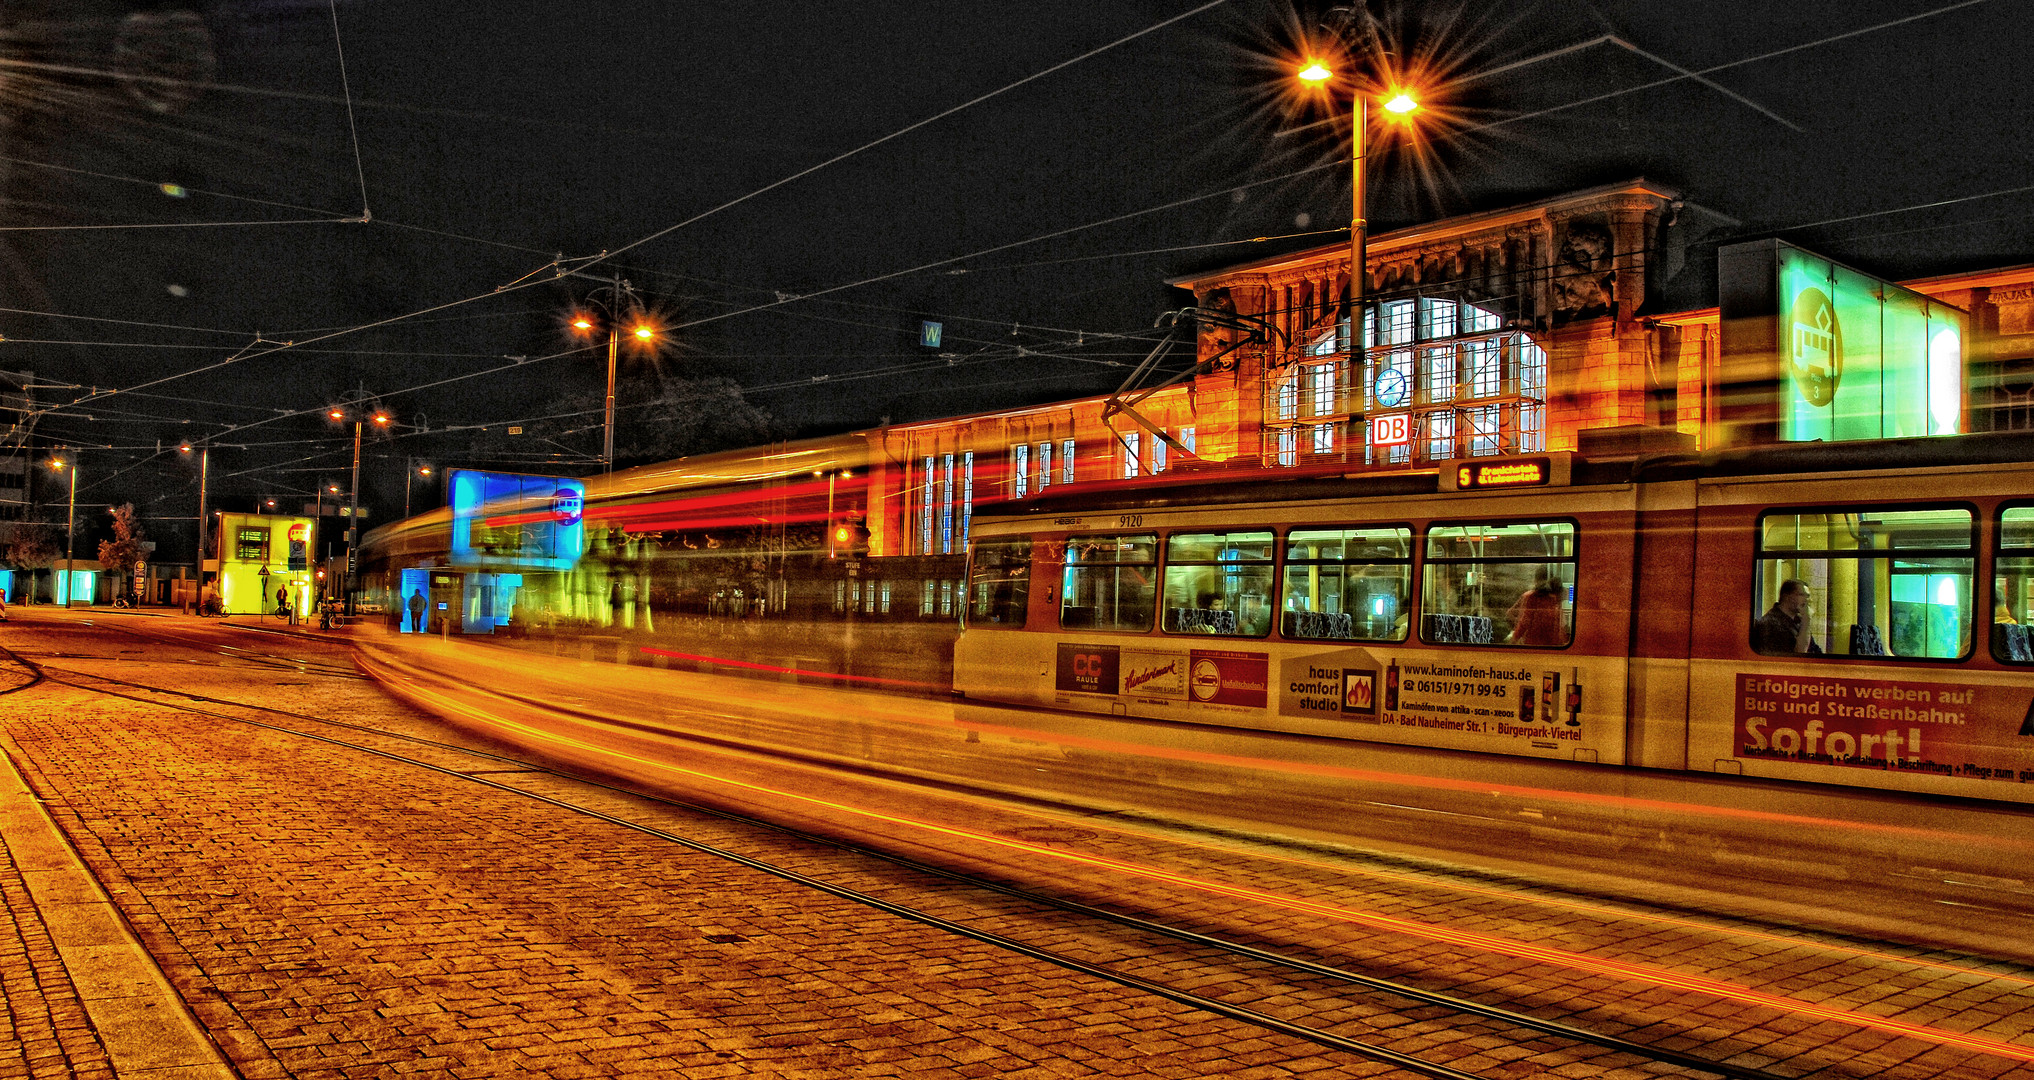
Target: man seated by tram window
x=1783 y=629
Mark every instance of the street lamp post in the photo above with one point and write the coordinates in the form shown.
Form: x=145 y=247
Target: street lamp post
x=381 y=419
x=411 y=471
x=70 y=529
x=1401 y=104
x=204 y=471
x=642 y=331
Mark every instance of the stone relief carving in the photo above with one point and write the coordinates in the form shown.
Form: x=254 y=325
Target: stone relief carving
x=1584 y=270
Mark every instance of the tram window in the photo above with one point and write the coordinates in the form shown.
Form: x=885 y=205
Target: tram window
x=1111 y=583
x=2013 y=587
x=1351 y=584
x=1889 y=583
x=1500 y=584
x=1218 y=583
x=999 y=582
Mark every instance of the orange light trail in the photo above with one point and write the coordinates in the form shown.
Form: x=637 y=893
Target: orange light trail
x=751 y=666
x=1603 y=911
x=1487 y=943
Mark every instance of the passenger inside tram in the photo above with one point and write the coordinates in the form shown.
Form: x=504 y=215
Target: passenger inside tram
x=1892 y=583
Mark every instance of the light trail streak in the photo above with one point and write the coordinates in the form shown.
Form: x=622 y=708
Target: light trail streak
x=1610 y=911
x=751 y=666
x=1481 y=942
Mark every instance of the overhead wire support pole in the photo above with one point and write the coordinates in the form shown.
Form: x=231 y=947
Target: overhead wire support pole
x=613 y=344
x=353 y=517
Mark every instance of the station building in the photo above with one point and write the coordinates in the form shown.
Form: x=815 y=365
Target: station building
x=1617 y=320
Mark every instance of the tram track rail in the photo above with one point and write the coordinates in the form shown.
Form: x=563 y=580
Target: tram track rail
x=293 y=665
x=1277 y=966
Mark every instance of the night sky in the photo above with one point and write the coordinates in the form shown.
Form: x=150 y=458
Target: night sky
x=157 y=229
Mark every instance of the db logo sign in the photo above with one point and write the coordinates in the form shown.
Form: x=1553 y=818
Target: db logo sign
x=1393 y=430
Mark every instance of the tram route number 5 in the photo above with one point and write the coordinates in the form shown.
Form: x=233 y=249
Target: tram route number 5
x=1392 y=430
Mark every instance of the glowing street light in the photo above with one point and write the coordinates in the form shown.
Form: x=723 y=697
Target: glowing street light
x=1401 y=103
x=380 y=419
x=70 y=527
x=640 y=329
x=204 y=470
x=409 y=474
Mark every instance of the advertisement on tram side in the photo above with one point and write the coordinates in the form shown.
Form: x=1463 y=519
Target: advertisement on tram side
x=1908 y=726
x=1961 y=735
x=1510 y=702
x=1218 y=680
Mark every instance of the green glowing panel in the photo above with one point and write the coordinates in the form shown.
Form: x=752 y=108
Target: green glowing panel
x=1862 y=358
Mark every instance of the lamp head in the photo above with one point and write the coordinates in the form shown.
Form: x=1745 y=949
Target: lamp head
x=1315 y=72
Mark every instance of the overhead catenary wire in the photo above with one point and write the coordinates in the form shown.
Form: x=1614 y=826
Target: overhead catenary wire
x=352 y=127
x=584 y=263
x=1229 y=188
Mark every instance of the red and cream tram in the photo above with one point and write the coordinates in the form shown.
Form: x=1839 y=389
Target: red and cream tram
x=1848 y=614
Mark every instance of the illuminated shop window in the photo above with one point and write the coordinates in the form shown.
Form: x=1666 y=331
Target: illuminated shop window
x=946 y=509
x=1129 y=444
x=1218 y=583
x=1020 y=470
x=251 y=545
x=1044 y=465
x=926 y=503
x=1349 y=584
x=1324 y=439
x=1890 y=583
x=967 y=496
x=1157 y=455
x=1066 y=461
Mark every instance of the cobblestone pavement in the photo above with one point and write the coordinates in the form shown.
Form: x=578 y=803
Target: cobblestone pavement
x=330 y=915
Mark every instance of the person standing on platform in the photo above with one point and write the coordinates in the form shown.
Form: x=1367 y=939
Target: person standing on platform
x=417 y=606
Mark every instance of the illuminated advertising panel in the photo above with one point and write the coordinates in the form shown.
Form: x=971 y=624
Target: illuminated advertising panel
x=1842 y=355
x=511 y=519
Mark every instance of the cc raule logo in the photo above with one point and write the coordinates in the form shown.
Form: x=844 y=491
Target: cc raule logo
x=1088 y=669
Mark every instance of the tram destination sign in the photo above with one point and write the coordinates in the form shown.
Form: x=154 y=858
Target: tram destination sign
x=1546 y=470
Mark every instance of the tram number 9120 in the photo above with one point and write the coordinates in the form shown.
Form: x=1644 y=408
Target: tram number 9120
x=1129 y=521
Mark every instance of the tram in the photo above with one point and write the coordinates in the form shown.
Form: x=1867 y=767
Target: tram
x=734 y=560
x=1850 y=614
